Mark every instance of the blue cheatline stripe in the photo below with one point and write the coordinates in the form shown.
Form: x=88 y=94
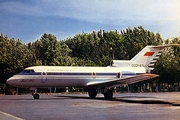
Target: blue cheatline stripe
x=128 y=73
x=62 y=73
x=84 y=74
x=106 y=74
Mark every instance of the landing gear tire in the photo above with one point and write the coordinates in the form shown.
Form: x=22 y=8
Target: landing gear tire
x=35 y=96
x=108 y=94
x=92 y=93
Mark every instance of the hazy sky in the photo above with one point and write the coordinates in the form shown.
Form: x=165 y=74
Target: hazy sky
x=27 y=20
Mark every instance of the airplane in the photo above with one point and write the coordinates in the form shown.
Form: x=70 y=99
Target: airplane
x=119 y=73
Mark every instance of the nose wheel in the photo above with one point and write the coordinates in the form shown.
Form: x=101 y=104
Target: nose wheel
x=35 y=96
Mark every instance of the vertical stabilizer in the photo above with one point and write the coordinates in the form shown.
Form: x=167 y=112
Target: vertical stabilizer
x=149 y=55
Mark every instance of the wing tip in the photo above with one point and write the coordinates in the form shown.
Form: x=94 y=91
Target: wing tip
x=151 y=75
x=164 y=45
x=175 y=44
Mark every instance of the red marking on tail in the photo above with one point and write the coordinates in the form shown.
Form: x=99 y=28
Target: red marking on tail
x=148 y=53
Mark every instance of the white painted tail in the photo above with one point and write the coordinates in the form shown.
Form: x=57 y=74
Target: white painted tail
x=149 y=55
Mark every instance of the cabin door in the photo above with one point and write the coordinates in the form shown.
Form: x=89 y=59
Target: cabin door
x=43 y=77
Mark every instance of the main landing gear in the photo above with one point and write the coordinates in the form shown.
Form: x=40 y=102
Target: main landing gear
x=108 y=93
x=92 y=93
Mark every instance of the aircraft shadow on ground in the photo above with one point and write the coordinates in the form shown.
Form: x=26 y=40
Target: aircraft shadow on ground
x=123 y=99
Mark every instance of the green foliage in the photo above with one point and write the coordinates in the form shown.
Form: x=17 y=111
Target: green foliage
x=47 y=50
x=102 y=46
x=137 y=38
x=14 y=56
x=95 y=46
x=168 y=66
x=87 y=49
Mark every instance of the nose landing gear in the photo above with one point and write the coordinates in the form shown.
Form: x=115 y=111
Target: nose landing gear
x=35 y=95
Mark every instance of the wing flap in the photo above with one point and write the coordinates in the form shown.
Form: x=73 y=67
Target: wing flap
x=122 y=81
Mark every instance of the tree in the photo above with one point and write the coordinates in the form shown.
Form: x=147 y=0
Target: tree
x=137 y=38
x=87 y=49
x=45 y=50
x=168 y=65
x=14 y=56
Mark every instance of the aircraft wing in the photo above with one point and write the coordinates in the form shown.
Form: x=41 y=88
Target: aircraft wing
x=122 y=81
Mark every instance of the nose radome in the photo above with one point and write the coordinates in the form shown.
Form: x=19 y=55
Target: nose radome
x=11 y=81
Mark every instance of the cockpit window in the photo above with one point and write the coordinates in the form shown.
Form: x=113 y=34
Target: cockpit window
x=27 y=71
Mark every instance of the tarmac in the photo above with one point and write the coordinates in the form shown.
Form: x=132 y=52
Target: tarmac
x=123 y=106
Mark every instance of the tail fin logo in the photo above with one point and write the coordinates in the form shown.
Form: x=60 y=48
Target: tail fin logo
x=149 y=54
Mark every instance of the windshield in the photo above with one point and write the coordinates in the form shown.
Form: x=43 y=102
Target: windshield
x=27 y=71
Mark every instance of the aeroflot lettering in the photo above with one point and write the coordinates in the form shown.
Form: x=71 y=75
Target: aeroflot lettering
x=27 y=80
x=137 y=65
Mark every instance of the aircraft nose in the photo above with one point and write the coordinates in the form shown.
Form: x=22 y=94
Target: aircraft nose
x=11 y=81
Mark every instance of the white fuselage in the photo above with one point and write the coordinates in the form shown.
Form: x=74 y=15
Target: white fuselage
x=60 y=76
